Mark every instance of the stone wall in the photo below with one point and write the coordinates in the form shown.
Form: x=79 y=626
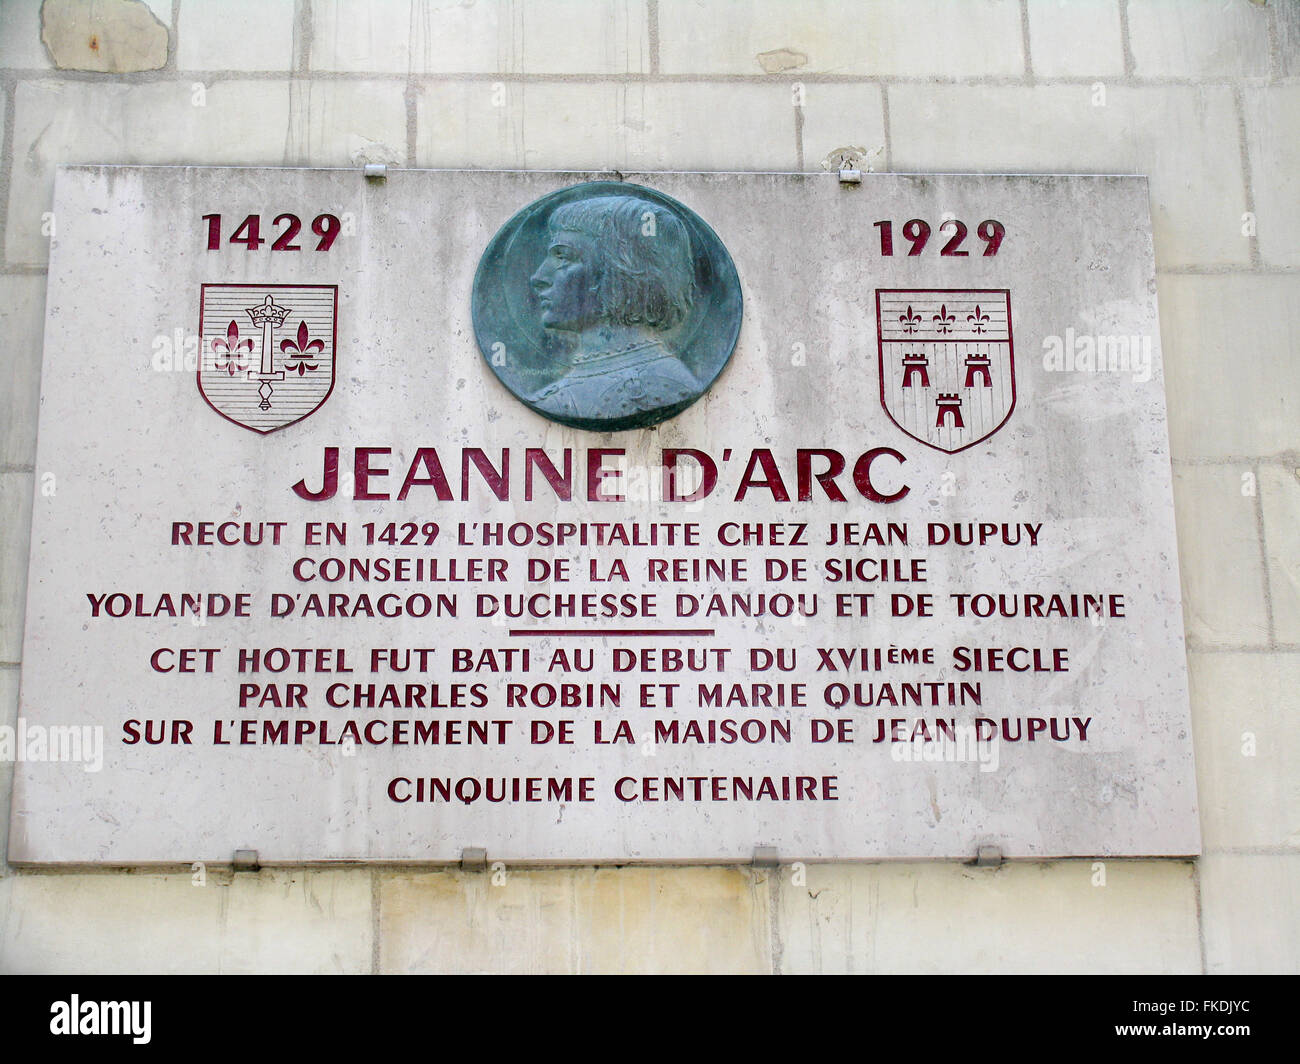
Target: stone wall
x=1203 y=97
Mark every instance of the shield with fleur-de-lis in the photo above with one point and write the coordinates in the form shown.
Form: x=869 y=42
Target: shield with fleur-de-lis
x=267 y=351
x=947 y=373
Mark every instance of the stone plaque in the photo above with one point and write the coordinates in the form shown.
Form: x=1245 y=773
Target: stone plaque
x=677 y=518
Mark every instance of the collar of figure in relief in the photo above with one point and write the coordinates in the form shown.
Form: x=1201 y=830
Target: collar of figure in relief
x=588 y=357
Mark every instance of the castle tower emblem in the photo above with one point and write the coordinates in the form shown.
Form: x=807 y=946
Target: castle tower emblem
x=947 y=371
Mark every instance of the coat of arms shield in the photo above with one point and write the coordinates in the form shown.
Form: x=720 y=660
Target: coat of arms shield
x=947 y=375
x=267 y=351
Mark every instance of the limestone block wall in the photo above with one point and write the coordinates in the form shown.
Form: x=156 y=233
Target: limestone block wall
x=1203 y=97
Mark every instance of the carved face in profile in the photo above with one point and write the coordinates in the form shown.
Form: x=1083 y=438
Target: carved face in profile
x=615 y=259
x=566 y=282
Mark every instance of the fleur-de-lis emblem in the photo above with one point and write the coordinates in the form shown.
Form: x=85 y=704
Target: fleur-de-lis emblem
x=232 y=349
x=303 y=350
x=943 y=320
x=911 y=320
x=979 y=321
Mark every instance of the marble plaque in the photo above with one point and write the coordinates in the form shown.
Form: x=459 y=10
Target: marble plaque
x=582 y=518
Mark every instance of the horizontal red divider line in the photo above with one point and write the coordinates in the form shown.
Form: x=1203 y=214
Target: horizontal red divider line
x=612 y=631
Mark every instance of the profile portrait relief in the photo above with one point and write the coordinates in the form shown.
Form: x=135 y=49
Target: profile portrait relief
x=618 y=315
x=617 y=275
